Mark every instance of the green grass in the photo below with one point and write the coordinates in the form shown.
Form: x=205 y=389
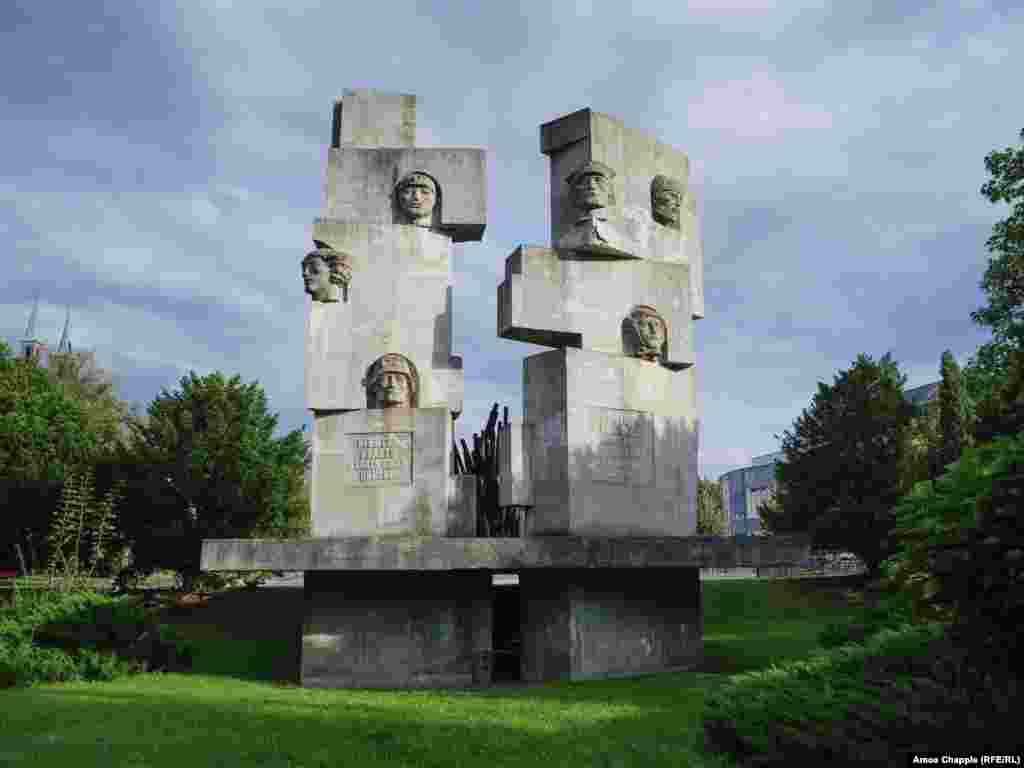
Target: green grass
x=236 y=710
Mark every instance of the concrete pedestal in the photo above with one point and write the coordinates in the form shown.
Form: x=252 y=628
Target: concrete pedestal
x=396 y=630
x=579 y=623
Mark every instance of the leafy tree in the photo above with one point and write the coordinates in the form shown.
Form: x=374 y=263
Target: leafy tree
x=1003 y=281
x=204 y=464
x=844 y=460
x=711 y=516
x=960 y=553
x=82 y=380
x=43 y=436
x=950 y=412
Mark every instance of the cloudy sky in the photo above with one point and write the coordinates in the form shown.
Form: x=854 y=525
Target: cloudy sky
x=161 y=169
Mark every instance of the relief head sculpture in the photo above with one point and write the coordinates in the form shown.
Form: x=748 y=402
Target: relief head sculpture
x=416 y=195
x=326 y=273
x=391 y=382
x=666 y=200
x=590 y=186
x=650 y=332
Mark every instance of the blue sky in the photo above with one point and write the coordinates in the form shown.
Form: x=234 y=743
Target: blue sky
x=161 y=169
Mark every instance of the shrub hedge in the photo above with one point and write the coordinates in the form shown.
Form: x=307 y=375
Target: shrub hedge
x=23 y=661
x=900 y=691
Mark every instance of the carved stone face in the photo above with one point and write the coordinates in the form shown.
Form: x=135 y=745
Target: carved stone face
x=591 y=190
x=666 y=201
x=390 y=383
x=417 y=196
x=316 y=277
x=390 y=390
x=650 y=333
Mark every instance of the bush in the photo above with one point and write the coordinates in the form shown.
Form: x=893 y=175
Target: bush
x=890 y=611
x=23 y=661
x=872 y=702
x=961 y=549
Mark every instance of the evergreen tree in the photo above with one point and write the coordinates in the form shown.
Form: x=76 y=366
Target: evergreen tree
x=844 y=462
x=204 y=464
x=950 y=413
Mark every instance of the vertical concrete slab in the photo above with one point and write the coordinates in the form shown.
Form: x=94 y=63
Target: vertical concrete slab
x=402 y=630
x=588 y=623
x=616 y=445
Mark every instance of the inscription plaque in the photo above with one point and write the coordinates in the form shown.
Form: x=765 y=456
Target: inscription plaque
x=380 y=458
x=622 y=444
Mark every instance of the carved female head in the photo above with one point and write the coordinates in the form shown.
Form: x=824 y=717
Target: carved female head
x=326 y=273
x=590 y=186
x=391 y=382
x=650 y=331
x=416 y=196
x=666 y=200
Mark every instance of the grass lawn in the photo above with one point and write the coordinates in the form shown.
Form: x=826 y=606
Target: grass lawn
x=236 y=710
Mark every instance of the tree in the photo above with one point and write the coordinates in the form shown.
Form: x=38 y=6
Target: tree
x=950 y=413
x=711 y=516
x=43 y=436
x=82 y=380
x=1003 y=281
x=844 y=462
x=204 y=464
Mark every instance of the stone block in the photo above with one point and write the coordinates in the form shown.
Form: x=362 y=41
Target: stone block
x=368 y=118
x=555 y=299
x=381 y=472
x=462 y=506
x=399 y=300
x=636 y=158
x=361 y=186
x=507 y=555
x=513 y=470
x=580 y=624
x=395 y=630
x=613 y=447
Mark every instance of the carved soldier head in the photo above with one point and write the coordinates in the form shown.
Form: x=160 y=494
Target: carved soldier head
x=391 y=382
x=649 y=332
x=666 y=200
x=416 y=195
x=590 y=186
x=326 y=273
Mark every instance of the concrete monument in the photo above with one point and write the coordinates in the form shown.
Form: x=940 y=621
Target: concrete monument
x=398 y=588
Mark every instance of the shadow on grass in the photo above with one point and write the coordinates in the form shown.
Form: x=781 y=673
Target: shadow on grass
x=209 y=722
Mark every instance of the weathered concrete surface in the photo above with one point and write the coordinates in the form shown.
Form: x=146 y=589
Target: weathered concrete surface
x=579 y=623
x=382 y=471
x=368 y=118
x=414 y=553
x=399 y=300
x=585 y=135
x=552 y=298
x=361 y=182
x=613 y=445
x=401 y=630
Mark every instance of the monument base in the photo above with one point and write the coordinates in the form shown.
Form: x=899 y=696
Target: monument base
x=416 y=612
x=437 y=629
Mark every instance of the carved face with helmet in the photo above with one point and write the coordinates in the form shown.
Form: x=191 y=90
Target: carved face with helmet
x=391 y=382
x=590 y=186
x=650 y=332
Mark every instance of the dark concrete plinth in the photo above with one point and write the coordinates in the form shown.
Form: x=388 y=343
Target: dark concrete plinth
x=396 y=630
x=579 y=624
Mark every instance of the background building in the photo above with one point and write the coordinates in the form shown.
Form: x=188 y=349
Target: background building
x=744 y=489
